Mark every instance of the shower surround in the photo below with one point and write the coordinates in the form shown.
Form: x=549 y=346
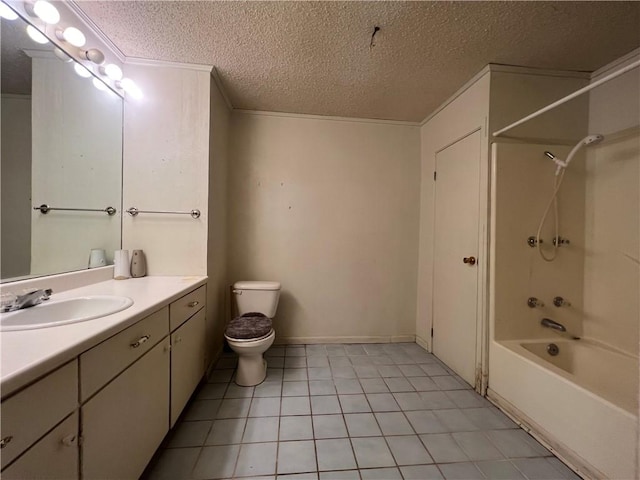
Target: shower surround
x=583 y=401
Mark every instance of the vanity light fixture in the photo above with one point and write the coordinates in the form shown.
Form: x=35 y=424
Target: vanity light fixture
x=62 y=55
x=130 y=88
x=72 y=36
x=93 y=55
x=6 y=12
x=112 y=71
x=99 y=84
x=45 y=12
x=81 y=70
x=36 y=35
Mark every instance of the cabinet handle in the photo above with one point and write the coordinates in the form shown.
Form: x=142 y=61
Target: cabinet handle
x=69 y=440
x=178 y=339
x=140 y=341
x=5 y=441
x=195 y=303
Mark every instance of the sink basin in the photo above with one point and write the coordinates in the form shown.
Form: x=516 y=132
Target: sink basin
x=52 y=313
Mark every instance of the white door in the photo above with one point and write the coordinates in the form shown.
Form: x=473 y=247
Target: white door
x=455 y=282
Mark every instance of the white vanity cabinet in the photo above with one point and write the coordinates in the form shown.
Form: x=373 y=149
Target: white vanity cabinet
x=124 y=423
x=104 y=413
x=54 y=457
x=28 y=433
x=187 y=320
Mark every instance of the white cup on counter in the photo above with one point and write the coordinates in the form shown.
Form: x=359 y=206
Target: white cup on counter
x=97 y=258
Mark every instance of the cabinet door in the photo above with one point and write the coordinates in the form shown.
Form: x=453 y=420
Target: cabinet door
x=187 y=361
x=55 y=456
x=123 y=425
x=32 y=412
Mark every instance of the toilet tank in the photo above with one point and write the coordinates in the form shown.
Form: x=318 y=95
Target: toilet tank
x=259 y=297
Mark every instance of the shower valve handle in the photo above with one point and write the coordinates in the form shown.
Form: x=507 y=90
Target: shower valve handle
x=469 y=260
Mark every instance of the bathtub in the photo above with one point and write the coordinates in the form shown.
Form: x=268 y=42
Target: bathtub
x=582 y=403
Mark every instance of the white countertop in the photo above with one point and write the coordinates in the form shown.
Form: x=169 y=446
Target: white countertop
x=29 y=354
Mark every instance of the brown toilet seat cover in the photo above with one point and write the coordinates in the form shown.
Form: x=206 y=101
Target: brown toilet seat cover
x=250 y=325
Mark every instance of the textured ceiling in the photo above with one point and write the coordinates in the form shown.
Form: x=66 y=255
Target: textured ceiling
x=315 y=57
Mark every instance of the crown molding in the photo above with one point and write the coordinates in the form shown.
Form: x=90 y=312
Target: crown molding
x=90 y=24
x=147 y=62
x=37 y=53
x=617 y=63
x=459 y=92
x=325 y=117
x=220 y=86
x=496 y=67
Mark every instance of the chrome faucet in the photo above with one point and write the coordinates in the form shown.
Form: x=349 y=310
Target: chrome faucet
x=547 y=322
x=29 y=299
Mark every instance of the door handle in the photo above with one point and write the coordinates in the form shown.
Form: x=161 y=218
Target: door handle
x=469 y=260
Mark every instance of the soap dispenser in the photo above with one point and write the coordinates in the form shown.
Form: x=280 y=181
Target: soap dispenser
x=138 y=264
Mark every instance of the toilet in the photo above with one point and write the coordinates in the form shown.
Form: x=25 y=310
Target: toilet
x=251 y=333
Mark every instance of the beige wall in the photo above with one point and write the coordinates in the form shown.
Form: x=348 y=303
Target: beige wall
x=166 y=167
x=217 y=249
x=466 y=113
x=517 y=92
x=328 y=207
x=176 y=158
x=612 y=246
x=15 y=259
x=523 y=185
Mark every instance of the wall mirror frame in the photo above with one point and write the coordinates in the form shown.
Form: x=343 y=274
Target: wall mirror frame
x=61 y=146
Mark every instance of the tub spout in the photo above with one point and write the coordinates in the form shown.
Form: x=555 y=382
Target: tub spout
x=547 y=322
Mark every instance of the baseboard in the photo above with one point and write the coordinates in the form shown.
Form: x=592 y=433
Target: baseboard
x=214 y=359
x=363 y=339
x=423 y=343
x=564 y=453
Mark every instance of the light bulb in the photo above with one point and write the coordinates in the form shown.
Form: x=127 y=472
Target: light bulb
x=81 y=70
x=131 y=88
x=6 y=12
x=46 y=12
x=93 y=55
x=74 y=36
x=113 y=72
x=36 y=35
x=99 y=84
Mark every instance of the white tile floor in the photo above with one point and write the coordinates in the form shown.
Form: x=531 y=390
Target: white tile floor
x=331 y=412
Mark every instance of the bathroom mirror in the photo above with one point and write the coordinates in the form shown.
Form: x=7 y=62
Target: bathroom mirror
x=61 y=146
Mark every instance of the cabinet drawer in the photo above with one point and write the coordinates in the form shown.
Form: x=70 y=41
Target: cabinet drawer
x=184 y=307
x=106 y=360
x=30 y=413
x=53 y=457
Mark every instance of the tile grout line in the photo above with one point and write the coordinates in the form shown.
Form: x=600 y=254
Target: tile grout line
x=415 y=361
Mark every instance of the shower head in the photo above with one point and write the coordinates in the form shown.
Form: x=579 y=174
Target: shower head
x=592 y=139
x=585 y=142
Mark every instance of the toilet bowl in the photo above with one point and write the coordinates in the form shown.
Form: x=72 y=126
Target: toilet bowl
x=251 y=333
